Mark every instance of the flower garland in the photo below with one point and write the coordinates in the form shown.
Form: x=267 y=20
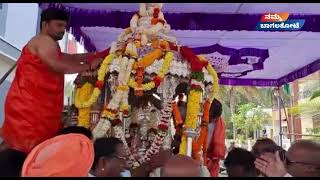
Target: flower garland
x=176 y=114
x=163 y=127
x=120 y=98
x=148 y=59
x=101 y=128
x=139 y=90
x=84 y=94
x=99 y=85
x=193 y=105
x=215 y=87
x=214 y=74
x=193 y=108
x=156 y=80
x=201 y=141
x=119 y=134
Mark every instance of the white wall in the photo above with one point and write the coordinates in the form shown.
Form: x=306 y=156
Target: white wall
x=21 y=24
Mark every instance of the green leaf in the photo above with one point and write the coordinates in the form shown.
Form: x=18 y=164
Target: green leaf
x=315 y=95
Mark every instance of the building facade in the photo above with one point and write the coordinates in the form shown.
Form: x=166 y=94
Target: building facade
x=18 y=24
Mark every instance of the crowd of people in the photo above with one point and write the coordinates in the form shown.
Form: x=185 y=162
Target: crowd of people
x=267 y=159
x=73 y=153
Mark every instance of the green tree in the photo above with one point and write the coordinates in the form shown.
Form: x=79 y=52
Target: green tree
x=315 y=95
x=231 y=96
x=249 y=118
x=314 y=131
x=307 y=107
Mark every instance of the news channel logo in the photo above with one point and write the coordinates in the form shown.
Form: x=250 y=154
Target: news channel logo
x=279 y=22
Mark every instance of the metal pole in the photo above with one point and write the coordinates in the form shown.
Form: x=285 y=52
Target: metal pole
x=292 y=120
x=280 y=120
x=190 y=133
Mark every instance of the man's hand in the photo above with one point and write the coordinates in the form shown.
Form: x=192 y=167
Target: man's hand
x=95 y=63
x=159 y=159
x=271 y=165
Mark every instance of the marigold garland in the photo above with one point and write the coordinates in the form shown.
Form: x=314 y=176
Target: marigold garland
x=200 y=142
x=96 y=91
x=162 y=72
x=214 y=75
x=176 y=114
x=148 y=59
x=84 y=93
x=193 y=108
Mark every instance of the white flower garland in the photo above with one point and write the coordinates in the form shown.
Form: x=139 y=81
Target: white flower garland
x=101 y=128
x=156 y=145
x=120 y=135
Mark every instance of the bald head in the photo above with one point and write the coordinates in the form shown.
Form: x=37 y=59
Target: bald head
x=181 y=166
x=307 y=152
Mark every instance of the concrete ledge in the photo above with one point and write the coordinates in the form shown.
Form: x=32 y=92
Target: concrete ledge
x=9 y=51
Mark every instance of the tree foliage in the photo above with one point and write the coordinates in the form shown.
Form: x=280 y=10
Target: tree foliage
x=249 y=118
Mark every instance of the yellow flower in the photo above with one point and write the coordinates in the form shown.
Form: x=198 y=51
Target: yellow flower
x=215 y=78
x=124 y=107
x=108 y=114
x=123 y=88
x=84 y=93
x=193 y=108
x=213 y=73
x=162 y=72
x=96 y=91
x=183 y=145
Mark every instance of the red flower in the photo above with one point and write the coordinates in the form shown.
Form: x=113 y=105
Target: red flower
x=125 y=112
x=157 y=81
x=99 y=84
x=116 y=122
x=156 y=11
x=197 y=87
x=163 y=127
x=205 y=63
x=154 y=20
x=188 y=54
x=173 y=46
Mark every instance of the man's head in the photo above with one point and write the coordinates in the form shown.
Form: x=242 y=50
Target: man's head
x=54 y=23
x=264 y=145
x=77 y=130
x=215 y=110
x=109 y=160
x=67 y=155
x=240 y=163
x=303 y=159
x=181 y=166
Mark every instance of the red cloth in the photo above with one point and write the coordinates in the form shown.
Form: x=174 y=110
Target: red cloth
x=33 y=104
x=101 y=54
x=216 y=149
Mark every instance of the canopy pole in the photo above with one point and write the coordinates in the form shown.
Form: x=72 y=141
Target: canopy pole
x=280 y=119
x=190 y=133
x=292 y=120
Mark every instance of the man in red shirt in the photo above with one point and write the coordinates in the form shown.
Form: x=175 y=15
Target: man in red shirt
x=35 y=99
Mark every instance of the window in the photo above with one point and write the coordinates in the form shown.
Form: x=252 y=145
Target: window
x=316 y=121
x=0 y=6
x=285 y=129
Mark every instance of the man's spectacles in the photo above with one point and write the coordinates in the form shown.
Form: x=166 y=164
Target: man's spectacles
x=119 y=157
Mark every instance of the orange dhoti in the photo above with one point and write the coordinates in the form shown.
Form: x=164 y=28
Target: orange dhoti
x=33 y=104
